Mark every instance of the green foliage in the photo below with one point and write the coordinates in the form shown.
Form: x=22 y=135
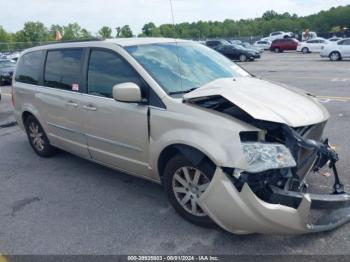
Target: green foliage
x=71 y=32
x=125 y=31
x=333 y=20
x=32 y=32
x=149 y=29
x=270 y=21
x=105 y=32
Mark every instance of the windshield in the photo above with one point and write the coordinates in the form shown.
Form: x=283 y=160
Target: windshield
x=182 y=67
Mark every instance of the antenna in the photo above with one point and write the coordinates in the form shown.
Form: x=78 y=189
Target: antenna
x=172 y=15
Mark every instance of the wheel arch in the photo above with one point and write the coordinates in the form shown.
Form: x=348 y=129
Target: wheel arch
x=25 y=110
x=335 y=51
x=191 y=153
x=25 y=115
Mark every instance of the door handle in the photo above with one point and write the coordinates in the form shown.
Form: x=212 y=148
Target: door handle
x=90 y=107
x=72 y=104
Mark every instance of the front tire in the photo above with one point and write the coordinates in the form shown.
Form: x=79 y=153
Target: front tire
x=277 y=50
x=242 y=58
x=38 y=138
x=184 y=183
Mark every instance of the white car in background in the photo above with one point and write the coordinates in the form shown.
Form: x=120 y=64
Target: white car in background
x=277 y=35
x=263 y=44
x=335 y=39
x=337 y=51
x=313 y=45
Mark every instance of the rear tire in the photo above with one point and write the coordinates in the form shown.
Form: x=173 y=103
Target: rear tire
x=305 y=50
x=277 y=50
x=184 y=183
x=335 y=56
x=38 y=138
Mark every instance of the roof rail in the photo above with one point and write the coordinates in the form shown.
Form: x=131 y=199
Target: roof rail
x=72 y=41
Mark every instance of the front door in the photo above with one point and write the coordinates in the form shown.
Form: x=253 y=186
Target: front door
x=116 y=132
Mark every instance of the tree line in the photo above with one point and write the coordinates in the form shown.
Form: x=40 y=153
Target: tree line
x=334 y=20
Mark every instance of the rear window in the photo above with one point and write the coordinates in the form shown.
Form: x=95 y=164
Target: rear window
x=29 y=67
x=62 y=68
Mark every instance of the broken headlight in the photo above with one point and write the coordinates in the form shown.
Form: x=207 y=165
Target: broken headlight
x=264 y=156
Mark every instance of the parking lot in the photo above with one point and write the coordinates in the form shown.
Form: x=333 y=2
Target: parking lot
x=67 y=205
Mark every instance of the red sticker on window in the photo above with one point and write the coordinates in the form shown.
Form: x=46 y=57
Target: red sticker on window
x=75 y=87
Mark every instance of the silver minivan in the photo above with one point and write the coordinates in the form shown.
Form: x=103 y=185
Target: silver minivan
x=230 y=149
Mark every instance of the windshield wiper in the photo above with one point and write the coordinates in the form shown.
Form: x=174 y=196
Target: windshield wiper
x=182 y=91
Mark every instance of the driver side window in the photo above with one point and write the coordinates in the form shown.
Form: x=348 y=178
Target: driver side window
x=106 y=69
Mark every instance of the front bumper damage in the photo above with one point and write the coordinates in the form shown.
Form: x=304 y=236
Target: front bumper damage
x=242 y=212
x=233 y=202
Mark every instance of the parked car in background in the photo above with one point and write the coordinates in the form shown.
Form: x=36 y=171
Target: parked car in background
x=251 y=47
x=286 y=44
x=236 y=42
x=264 y=44
x=7 y=68
x=277 y=35
x=237 y=52
x=335 y=39
x=313 y=45
x=216 y=42
x=10 y=55
x=337 y=51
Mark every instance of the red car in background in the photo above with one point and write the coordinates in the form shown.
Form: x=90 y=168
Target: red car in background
x=280 y=45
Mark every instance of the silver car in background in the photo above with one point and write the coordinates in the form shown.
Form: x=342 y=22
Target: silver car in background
x=337 y=51
x=230 y=149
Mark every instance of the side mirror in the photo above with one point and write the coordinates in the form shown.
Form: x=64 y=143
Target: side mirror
x=127 y=92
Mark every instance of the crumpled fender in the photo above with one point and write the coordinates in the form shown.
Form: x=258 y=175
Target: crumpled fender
x=243 y=212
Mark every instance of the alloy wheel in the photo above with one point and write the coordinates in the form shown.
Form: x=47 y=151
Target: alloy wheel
x=334 y=56
x=188 y=185
x=36 y=136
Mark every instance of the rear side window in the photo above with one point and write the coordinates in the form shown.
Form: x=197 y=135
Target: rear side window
x=29 y=68
x=107 y=69
x=63 y=68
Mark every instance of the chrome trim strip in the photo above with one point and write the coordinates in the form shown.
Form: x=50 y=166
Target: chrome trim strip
x=116 y=143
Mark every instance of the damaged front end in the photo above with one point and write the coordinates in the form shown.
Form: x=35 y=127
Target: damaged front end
x=271 y=194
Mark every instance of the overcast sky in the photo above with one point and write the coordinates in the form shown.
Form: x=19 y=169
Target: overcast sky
x=93 y=14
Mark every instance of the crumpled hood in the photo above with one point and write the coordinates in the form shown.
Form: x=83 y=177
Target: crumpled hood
x=265 y=101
